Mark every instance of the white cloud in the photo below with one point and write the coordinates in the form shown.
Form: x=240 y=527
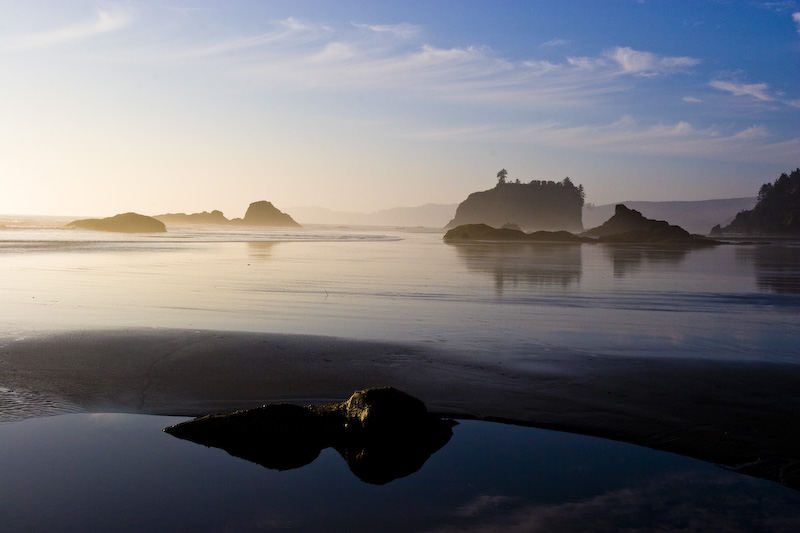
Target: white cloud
x=756 y=90
x=552 y=43
x=104 y=21
x=404 y=31
x=691 y=99
x=796 y=18
x=649 y=64
x=339 y=60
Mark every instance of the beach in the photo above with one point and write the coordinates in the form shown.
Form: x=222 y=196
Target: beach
x=738 y=415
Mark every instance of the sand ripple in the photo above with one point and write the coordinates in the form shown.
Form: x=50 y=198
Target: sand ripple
x=21 y=404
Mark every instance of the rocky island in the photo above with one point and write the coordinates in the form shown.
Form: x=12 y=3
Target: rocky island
x=261 y=213
x=538 y=205
x=631 y=227
x=123 y=223
x=627 y=226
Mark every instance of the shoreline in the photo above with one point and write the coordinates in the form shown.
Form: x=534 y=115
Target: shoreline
x=739 y=415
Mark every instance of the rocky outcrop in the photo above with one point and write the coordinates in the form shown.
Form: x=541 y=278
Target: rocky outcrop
x=263 y=213
x=382 y=433
x=483 y=232
x=214 y=217
x=628 y=226
x=531 y=206
x=123 y=223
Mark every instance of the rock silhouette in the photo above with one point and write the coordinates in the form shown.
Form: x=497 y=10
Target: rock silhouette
x=777 y=212
x=538 y=205
x=630 y=227
x=382 y=433
x=482 y=232
x=263 y=213
x=214 y=217
x=124 y=223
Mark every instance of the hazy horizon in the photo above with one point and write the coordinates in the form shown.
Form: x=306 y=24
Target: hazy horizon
x=359 y=107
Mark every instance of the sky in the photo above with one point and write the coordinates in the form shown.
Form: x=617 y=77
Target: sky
x=186 y=106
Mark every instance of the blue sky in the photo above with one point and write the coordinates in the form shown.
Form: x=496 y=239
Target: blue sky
x=188 y=106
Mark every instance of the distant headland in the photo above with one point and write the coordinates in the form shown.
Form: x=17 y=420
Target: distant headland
x=777 y=212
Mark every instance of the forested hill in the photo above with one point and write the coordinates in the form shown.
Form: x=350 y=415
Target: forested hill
x=777 y=211
x=538 y=205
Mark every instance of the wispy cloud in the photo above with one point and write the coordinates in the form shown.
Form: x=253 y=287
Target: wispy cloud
x=796 y=18
x=627 y=136
x=756 y=90
x=784 y=5
x=339 y=60
x=691 y=99
x=649 y=64
x=404 y=31
x=552 y=43
x=104 y=21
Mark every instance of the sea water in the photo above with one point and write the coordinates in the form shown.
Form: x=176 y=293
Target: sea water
x=511 y=302
x=117 y=472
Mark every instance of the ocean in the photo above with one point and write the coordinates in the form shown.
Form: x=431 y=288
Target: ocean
x=508 y=300
x=519 y=306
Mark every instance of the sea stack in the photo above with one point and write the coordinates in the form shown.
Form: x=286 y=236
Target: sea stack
x=263 y=213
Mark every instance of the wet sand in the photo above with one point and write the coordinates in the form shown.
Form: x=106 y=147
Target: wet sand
x=742 y=416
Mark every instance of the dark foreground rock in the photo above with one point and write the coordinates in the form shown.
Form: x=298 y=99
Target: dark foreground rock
x=124 y=223
x=483 y=232
x=382 y=433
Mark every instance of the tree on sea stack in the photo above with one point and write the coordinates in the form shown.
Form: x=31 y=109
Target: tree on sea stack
x=501 y=176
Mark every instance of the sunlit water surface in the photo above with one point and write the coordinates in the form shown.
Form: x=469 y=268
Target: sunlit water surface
x=512 y=300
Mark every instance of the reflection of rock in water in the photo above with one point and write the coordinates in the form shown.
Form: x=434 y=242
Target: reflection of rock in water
x=260 y=249
x=383 y=434
x=776 y=267
x=534 y=264
x=627 y=259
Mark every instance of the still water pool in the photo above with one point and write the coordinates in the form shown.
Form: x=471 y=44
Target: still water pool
x=119 y=472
